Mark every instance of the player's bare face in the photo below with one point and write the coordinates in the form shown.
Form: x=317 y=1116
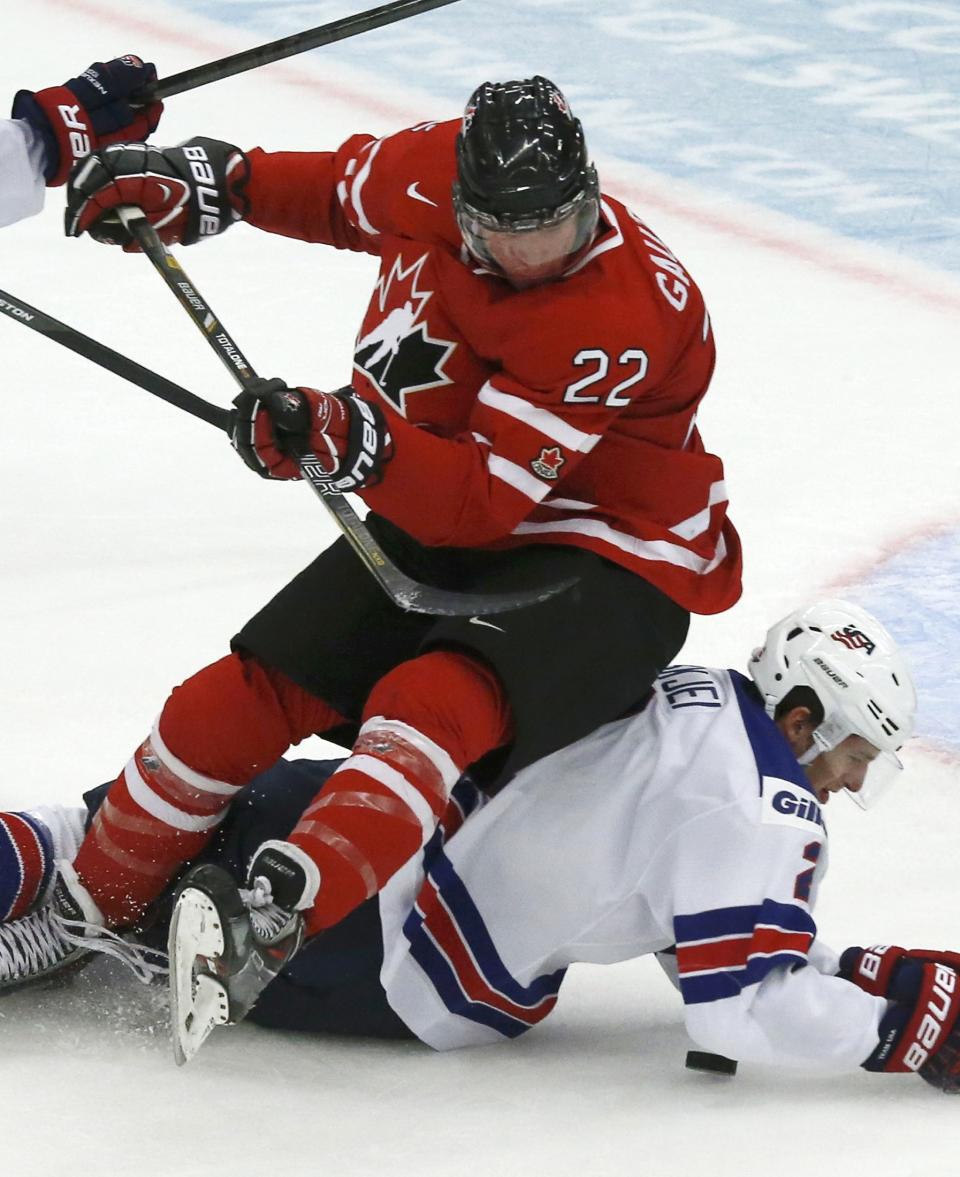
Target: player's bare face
x=843 y=767
x=534 y=256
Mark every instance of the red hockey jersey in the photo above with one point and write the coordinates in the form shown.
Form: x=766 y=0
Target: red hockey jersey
x=562 y=414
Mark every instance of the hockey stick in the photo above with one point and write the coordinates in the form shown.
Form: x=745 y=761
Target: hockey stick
x=336 y=30
x=408 y=594
x=113 y=361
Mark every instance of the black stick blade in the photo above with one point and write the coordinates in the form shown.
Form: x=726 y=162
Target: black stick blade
x=715 y=1064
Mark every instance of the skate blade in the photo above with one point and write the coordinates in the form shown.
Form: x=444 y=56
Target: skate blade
x=198 y=1001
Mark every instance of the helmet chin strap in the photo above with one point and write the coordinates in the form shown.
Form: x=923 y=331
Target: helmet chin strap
x=826 y=736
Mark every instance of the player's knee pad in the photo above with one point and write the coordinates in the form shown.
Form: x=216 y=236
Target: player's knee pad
x=236 y=717
x=452 y=698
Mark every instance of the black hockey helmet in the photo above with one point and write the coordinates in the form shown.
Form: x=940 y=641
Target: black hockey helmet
x=522 y=164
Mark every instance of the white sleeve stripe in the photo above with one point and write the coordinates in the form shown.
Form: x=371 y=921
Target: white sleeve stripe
x=642 y=549
x=545 y=422
x=568 y=505
x=522 y=480
x=196 y=780
x=162 y=810
x=357 y=188
x=739 y=968
x=715 y=939
x=782 y=928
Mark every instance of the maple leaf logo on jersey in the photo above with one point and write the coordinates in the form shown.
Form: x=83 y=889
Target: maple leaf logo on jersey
x=549 y=462
x=398 y=355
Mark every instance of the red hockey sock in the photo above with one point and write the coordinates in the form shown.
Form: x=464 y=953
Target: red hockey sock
x=423 y=724
x=216 y=732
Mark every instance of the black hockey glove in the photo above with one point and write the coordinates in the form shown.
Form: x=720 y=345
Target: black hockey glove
x=921 y=1029
x=189 y=192
x=275 y=425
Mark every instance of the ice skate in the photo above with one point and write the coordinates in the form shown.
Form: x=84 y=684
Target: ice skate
x=226 y=945
x=63 y=935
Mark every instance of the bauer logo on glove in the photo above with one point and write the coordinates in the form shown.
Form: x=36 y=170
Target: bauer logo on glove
x=188 y=193
x=921 y=1029
x=340 y=439
x=367 y=440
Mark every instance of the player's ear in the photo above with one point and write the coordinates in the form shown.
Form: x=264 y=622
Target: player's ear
x=798 y=726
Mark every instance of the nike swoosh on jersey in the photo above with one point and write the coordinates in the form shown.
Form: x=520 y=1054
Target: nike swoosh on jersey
x=415 y=195
x=488 y=624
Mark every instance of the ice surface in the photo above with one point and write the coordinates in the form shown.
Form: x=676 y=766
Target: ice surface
x=134 y=544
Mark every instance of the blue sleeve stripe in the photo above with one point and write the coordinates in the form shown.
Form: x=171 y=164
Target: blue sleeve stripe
x=466 y=794
x=758 y=938
x=724 y=922
x=472 y=930
x=450 y=942
x=705 y=987
x=445 y=980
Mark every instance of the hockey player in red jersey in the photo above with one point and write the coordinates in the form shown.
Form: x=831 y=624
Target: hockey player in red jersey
x=712 y=795
x=525 y=390
x=51 y=129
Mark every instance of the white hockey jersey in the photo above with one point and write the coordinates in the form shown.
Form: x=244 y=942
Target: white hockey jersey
x=687 y=828
x=21 y=172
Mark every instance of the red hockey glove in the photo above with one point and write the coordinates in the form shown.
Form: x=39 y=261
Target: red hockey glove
x=344 y=437
x=188 y=192
x=89 y=112
x=921 y=1029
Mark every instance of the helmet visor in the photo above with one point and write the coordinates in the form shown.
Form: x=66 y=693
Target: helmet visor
x=870 y=770
x=881 y=776
x=530 y=249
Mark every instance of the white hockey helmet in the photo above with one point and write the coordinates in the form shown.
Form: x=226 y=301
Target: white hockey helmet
x=853 y=666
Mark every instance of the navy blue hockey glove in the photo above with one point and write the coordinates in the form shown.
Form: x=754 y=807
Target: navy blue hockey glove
x=89 y=112
x=274 y=426
x=921 y=1029
x=188 y=193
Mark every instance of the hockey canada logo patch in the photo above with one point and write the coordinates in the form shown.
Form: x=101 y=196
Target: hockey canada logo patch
x=397 y=353
x=549 y=463
x=854 y=639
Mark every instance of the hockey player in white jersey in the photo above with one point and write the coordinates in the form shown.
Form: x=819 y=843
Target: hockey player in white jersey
x=51 y=129
x=692 y=829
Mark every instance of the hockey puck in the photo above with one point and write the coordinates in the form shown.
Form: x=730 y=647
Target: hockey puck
x=716 y=1064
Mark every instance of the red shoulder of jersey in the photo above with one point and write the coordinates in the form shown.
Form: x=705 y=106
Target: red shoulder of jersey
x=366 y=191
